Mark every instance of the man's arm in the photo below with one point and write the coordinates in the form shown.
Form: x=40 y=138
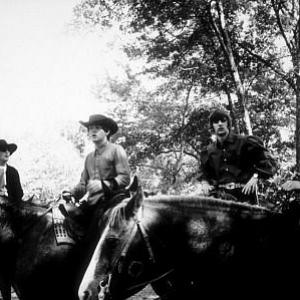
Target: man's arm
x=79 y=190
x=263 y=162
x=122 y=178
x=204 y=176
x=17 y=191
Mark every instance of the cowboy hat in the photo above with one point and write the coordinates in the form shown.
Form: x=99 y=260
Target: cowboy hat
x=105 y=122
x=5 y=146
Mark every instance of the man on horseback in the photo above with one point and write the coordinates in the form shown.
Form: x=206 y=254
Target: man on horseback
x=10 y=185
x=106 y=165
x=233 y=163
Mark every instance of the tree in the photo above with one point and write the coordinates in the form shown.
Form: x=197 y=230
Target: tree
x=279 y=21
x=216 y=51
x=196 y=38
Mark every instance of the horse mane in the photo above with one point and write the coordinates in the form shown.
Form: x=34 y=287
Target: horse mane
x=188 y=204
x=116 y=215
x=11 y=211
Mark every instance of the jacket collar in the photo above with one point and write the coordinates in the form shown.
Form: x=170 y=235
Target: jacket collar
x=229 y=140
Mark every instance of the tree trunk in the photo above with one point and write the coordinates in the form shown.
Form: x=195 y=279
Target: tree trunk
x=297 y=74
x=223 y=36
x=232 y=112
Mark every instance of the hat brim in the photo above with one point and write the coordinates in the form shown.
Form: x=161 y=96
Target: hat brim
x=108 y=123
x=12 y=148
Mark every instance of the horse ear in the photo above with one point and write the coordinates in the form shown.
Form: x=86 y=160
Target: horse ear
x=136 y=198
x=106 y=190
x=134 y=184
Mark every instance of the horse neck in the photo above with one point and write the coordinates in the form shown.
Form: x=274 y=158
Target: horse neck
x=18 y=217
x=180 y=221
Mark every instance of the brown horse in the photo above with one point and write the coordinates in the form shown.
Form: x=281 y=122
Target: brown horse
x=31 y=259
x=194 y=248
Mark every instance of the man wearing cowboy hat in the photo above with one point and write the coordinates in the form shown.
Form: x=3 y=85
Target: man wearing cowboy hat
x=10 y=185
x=233 y=163
x=106 y=165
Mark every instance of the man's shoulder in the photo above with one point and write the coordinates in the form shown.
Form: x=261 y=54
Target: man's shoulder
x=248 y=139
x=116 y=147
x=255 y=140
x=11 y=168
x=90 y=154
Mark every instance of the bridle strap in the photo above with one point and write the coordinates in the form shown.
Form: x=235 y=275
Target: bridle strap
x=141 y=229
x=146 y=239
x=127 y=245
x=151 y=280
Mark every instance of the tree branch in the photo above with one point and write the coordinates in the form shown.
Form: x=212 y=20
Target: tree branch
x=279 y=23
x=272 y=67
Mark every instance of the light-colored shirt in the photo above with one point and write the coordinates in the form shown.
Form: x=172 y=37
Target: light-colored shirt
x=108 y=163
x=3 y=190
x=2 y=176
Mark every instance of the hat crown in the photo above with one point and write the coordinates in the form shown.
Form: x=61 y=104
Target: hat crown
x=96 y=118
x=4 y=146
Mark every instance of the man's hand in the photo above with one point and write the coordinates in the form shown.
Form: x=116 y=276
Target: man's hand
x=291 y=185
x=67 y=196
x=251 y=185
x=94 y=186
x=206 y=187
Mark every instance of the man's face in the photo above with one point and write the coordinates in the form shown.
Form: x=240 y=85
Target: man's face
x=4 y=157
x=220 y=127
x=97 y=134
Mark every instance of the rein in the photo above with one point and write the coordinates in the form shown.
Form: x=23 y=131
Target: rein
x=137 y=227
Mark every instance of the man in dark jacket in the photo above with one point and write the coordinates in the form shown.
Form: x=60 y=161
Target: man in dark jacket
x=10 y=185
x=233 y=163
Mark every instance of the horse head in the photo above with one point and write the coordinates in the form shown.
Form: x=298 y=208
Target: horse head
x=100 y=275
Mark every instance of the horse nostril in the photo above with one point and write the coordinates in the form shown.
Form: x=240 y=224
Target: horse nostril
x=102 y=284
x=86 y=295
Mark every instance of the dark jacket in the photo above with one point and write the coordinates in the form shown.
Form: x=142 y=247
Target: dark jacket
x=13 y=184
x=236 y=160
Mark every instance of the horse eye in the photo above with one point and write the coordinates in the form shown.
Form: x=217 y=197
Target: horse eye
x=135 y=269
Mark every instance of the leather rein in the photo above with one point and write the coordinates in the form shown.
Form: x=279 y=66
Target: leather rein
x=137 y=227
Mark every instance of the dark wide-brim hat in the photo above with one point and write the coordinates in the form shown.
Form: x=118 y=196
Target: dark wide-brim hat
x=103 y=121
x=4 y=146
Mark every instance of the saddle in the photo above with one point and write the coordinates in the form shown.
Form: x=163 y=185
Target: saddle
x=61 y=234
x=70 y=223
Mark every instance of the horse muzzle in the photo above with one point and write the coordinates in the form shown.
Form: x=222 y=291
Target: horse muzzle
x=104 y=289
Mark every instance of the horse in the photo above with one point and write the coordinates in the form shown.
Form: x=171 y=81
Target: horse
x=194 y=247
x=32 y=260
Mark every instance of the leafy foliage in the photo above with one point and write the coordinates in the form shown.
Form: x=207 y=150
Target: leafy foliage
x=165 y=126
x=175 y=68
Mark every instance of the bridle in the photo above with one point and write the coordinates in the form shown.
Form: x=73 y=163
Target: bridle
x=105 y=285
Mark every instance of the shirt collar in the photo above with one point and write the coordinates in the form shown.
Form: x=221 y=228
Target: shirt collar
x=99 y=151
x=4 y=167
x=231 y=138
